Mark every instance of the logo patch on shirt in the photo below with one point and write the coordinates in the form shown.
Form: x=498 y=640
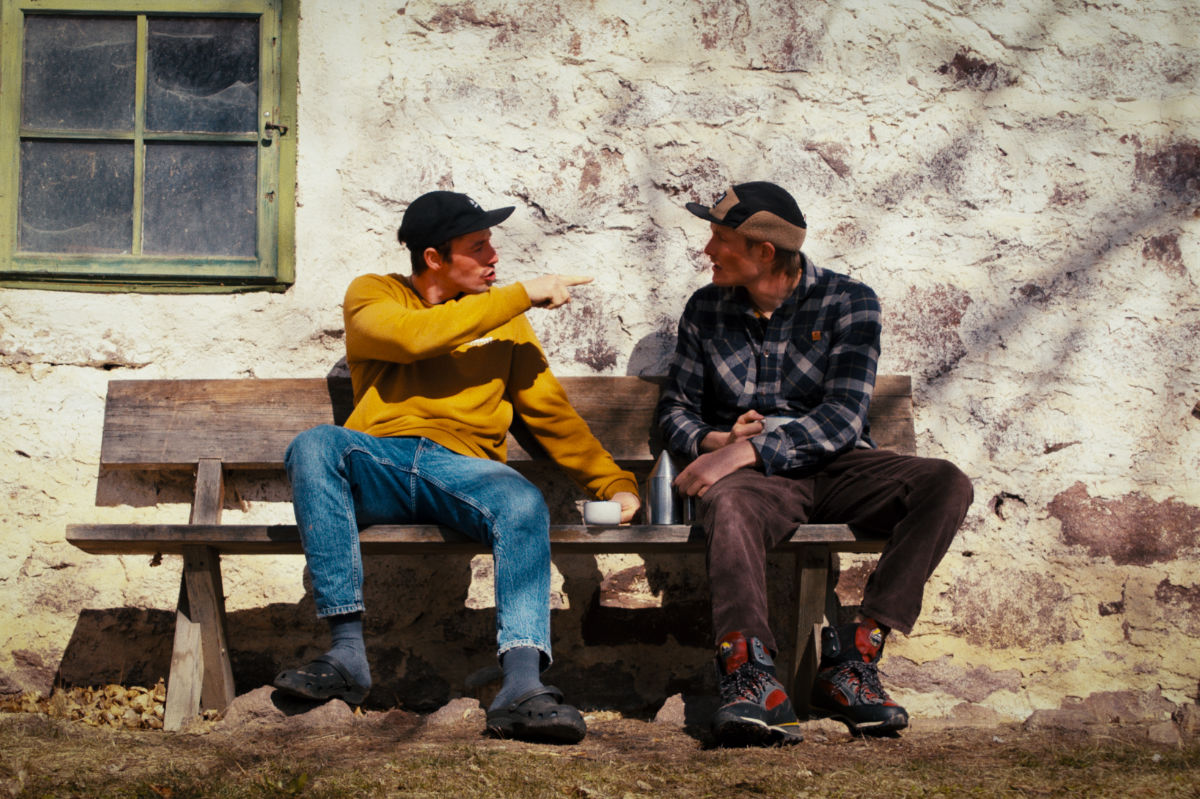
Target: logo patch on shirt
x=816 y=335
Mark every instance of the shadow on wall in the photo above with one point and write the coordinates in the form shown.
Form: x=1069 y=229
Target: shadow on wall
x=651 y=356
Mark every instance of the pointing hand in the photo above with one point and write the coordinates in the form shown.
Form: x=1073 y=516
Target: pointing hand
x=553 y=291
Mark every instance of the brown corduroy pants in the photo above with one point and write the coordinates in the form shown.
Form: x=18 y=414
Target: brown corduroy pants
x=916 y=503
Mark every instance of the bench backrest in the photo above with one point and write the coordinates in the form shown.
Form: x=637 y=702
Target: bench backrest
x=248 y=423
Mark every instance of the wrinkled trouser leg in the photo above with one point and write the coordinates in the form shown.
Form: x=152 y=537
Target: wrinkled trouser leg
x=917 y=503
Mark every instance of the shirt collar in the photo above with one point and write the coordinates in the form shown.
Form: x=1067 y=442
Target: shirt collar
x=810 y=276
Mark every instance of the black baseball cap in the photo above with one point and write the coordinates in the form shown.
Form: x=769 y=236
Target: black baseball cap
x=438 y=216
x=760 y=211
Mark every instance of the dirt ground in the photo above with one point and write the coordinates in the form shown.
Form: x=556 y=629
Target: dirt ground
x=264 y=746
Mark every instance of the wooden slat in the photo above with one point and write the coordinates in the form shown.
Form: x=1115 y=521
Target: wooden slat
x=893 y=385
x=260 y=539
x=619 y=410
x=891 y=414
x=242 y=423
x=247 y=424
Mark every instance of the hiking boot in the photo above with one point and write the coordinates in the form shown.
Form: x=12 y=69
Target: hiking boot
x=847 y=687
x=755 y=710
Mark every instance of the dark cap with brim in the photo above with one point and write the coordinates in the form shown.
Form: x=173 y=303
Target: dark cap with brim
x=760 y=211
x=438 y=216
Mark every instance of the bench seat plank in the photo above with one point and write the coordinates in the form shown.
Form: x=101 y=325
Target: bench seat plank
x=284 y=539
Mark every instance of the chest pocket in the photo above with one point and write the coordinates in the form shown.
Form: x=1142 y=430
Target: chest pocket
x=805 y=361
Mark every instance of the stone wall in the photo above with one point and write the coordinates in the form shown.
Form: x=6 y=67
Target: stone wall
x=1019 y=181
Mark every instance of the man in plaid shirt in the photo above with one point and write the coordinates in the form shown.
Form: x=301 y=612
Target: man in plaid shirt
x=767 y=395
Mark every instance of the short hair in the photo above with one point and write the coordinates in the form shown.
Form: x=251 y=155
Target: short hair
x=788 y=262
x=418 y=256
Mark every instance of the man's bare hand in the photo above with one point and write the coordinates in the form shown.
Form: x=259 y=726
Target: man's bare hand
x=553 y=291
x=748 y=425
x=710 y=467
x=629 y=505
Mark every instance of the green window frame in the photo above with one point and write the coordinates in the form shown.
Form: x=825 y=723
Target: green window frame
x=169 y=171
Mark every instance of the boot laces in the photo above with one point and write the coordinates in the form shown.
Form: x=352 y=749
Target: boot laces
x=747 y=682
x=867 y=688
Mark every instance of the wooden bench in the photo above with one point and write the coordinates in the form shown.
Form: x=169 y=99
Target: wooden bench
x=210 y=426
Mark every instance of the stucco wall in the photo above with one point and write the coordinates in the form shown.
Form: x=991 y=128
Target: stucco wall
x=1019 y=181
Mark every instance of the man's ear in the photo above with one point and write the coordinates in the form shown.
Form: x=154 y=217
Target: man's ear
x=766 y=251
x=433 y=260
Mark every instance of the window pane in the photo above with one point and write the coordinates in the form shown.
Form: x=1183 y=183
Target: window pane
x=200 y=199
x=79 y=72
x=202 y=75
x=76 y=196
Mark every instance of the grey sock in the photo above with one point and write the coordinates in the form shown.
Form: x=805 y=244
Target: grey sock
x=346 y=631
x=522 y=669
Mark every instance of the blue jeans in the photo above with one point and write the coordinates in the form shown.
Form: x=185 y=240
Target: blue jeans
x=343 y=480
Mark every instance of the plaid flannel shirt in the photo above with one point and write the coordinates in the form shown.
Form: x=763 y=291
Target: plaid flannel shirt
x=815 y=359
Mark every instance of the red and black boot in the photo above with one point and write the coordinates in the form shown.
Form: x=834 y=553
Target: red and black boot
x=847 y=687
x=755 y=709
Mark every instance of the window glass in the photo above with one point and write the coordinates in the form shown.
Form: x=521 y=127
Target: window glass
x=76 y=196
x=79 y=72
x=200 y=199
x=202 y=75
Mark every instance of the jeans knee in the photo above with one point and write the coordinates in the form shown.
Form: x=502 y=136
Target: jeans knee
x=313 y=448
x=523 y=506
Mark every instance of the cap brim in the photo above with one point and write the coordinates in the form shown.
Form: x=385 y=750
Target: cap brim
x=487 y=220
x=705 y=213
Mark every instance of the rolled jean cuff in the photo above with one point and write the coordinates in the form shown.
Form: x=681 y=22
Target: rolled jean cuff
x=355 y=607
x=543 y=648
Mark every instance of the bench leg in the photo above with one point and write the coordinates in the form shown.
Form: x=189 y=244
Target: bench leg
x=812 y=577
x=186 y=676
x=201 y=674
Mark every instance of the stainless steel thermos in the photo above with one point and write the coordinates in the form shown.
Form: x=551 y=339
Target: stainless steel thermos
x=665 y=505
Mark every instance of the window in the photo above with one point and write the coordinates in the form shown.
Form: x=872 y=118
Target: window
x=151 y=144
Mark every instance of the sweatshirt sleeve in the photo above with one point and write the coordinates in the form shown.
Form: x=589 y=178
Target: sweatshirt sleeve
x=385 y=322
x=539 y=399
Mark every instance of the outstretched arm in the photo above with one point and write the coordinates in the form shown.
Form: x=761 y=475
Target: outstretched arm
x=553 y=291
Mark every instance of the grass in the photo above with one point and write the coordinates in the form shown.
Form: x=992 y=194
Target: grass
x=620 y=759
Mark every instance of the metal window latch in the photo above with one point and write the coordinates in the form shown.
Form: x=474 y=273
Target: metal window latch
x=271 y=126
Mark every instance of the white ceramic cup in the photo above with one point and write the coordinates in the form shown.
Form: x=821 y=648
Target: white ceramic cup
x=605 y=512
x=772 y=423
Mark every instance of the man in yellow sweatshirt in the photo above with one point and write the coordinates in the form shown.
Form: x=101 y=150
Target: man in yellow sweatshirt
x=440 y=362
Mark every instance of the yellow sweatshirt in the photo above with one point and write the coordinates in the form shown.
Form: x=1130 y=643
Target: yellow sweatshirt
x=455 y=372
